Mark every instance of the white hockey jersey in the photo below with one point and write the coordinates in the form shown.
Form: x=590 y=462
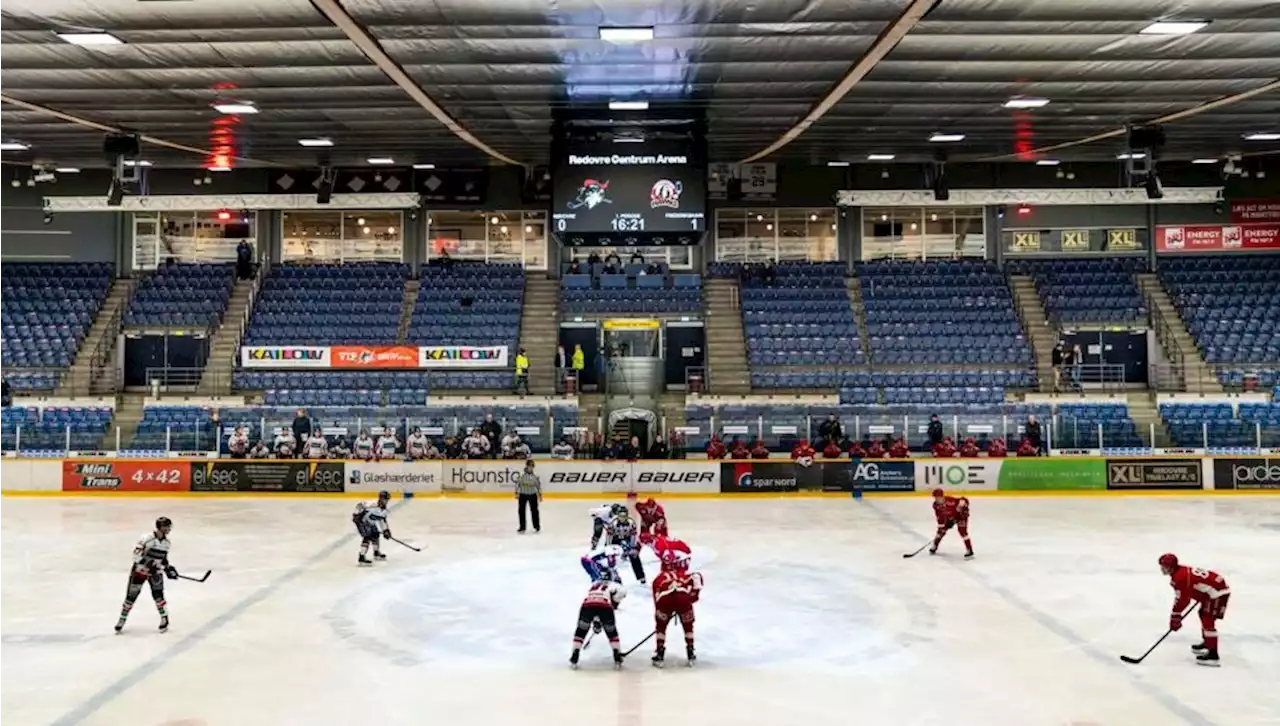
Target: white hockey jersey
x=363 y=447
x=285 y=443
x=151 y=553
x=316 y=447
x=387 y=444
x=238 y=442
x=603 y=514
x=370 y=514
x=417 y=446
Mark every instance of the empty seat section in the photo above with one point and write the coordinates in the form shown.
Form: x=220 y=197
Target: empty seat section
x=631 y=292
x=468 y=304
x=356 y=303
x=1220 y=425
x=1095 y=426
x=47 y=310
x=1087 y=291
x=55 y=428
x=194 y=295
x=175 y=428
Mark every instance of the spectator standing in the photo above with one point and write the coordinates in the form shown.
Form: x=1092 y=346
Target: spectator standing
x=1077 y=362
x=492 y=430
x=1055 y=358
x=935 y=431
x=579 y=362
x=831 y=430
x=1034 y=434
x=6 y=393
x=769 y=273
x=528 y=494
x=301 y=427
x=562 y=450
x=244 y=260
x=522 y=372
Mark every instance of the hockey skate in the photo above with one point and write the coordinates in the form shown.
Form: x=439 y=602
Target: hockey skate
x=693 y=657
x=379 y=556
x=1208 y=658
x=119 y=626
x=617 y=659
x=364 y=560
x=933 y=550
x=573 y=659
x=659 y=657
x=968 y=555
x=164 y=623
x=1199 y=648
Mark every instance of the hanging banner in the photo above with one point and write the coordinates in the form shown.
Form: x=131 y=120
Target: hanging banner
x=284 y=356
x=629 y=324
x=1255 y=210
x=1026 y=241
x=373 y=357
x=362 y=357
x=462 y=356
x=759 y=181
x=1075 y=239
x=1122 y=239
x=1215 y=238
x=718 y=176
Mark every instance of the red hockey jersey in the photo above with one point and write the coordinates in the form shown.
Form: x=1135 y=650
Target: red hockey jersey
x=951 y=509
x=1193 y=583
x=676 y=592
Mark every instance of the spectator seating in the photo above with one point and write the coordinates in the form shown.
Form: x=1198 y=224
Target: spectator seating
x=188 y=428
x=32 y=381
x=47 y=429
x=1078 y=427
x=329 y=305
x=468 y=304
x=298 y=388
x=1202 y=425
x=1231 y=306
x=947 y=312
x=802 y=318
x=47 y=311
x=183 y=295
x=631 y=293
x=1087 y=291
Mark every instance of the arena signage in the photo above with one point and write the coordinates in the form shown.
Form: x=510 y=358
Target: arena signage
x=1256 y=473
x=1154 y=474
x=125 y=475
x=373 y=357
x=400 y=476
x=577 y=476
x=1216 y=238
x=962 y=474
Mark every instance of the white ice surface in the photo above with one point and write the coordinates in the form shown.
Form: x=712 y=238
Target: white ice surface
x=810 y=616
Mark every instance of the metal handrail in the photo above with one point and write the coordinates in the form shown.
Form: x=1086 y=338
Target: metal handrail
x=1172 y=379
x=1165 y=336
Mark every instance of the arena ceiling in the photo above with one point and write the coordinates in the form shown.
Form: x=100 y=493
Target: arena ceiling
x=499 y=69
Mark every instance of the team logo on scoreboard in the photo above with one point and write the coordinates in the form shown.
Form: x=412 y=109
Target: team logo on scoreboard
x=591 y=194
x=665 y=193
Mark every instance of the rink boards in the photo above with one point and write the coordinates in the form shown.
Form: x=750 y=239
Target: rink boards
x=588 y=478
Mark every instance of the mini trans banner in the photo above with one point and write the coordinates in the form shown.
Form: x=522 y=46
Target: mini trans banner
x=1154 y=474
x=125 y=475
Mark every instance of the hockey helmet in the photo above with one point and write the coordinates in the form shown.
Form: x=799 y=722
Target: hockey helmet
x=618 y=509
x=1168 y=562
x=384 y=495
x=606 y=574
x=938 y=493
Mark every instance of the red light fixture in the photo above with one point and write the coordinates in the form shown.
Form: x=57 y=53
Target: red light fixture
x=1024 y=209
x=224 y=216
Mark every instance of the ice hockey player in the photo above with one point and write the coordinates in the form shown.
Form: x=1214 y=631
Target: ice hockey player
x=602 y=559
x=951 y=512
x=600 y=518
x=1207 y=588
x=238 y=443
x=417 y=444
x=260 y=450
x=653 y=518
x=387 y=444
x=151 y=566
x=597 y=610
x=317 y=447
x=623 y=532
x=371 y=523
x=284 y=444
x=363 y=446
x=663 y=545
x=675 y=590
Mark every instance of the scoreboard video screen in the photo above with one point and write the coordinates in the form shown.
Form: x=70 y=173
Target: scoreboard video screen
x=619 y=188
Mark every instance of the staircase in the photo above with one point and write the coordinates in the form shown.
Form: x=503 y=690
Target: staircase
x=215 y=380
x=540 y=331
x=127 y=416
x=726 y=344
x=1035 y=322
x=410 y=299
x=1143 y=411
x=854 y=291
x=86 y=376
x=1197 y=375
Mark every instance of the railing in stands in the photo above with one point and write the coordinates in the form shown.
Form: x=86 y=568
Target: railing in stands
x=1174 y=378
x=1233 y=377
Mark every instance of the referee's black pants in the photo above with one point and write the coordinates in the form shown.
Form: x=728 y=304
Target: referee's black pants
x=530 y=501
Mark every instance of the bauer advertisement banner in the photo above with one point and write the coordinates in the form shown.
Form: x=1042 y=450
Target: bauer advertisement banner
x=374 y=357
x=125 y=475
x=417 y=477
x=1255 y=473
x=1154 y=474
x=959 y=474
x=582 y=476
x=1022 y=474
x=266 y=475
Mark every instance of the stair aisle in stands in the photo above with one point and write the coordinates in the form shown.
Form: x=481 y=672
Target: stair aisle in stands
x=410 y=298
x=127 y=415
x=1199 y=377
x=80 y=379
x=1142 y=409
x=859 y=313
x=1035 y=321
x=539 y=331
x=726 y=342
x=225 y=346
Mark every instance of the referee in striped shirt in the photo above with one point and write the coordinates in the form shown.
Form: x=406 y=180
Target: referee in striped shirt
x=528 y=493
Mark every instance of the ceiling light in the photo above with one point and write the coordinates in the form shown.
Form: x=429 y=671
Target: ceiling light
x=366 y=230
x=218 y=168
x=1133 y=155
x=1026 y=102
x=315 y=142
x=813 y=217
x=424 y=166
x=759 y=217
x=235 y=108
x=837 y=163
x=391 y=230
x=1204 y=161
x=1266 y=136
x=881 y=157
x=493 y=220
x=1174 y=27
x=940 y=138
x=360 y=222
x=1048 y=162
x=136 y=162
x=67 y=170
x=1024 y=209
x=98 y=38
x=933 y=217
x=504 y=229
x=628 y=105
x=628 y=139
x=13 y=146
x=626 y=35
x=769 y=227
x=884 y=218
x=528 y=229
x=380 y=160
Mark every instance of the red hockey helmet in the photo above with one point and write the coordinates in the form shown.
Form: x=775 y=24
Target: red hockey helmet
x=1168 y=562
x=939 y=493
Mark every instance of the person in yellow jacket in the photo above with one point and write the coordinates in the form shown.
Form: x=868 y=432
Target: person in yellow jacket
x=522 y=371
x=578 y=362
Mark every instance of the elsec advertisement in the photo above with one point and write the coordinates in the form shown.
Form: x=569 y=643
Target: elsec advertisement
x=267 y=476
x=1154 y=474
x=1256 y=473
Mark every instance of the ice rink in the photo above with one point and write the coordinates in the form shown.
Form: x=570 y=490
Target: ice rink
x=810 y=616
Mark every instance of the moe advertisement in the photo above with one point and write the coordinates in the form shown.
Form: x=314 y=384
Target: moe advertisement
x=959 y=474
x=125 y=475
x=1042 y=473
x=263 y=475
x=1154 y=474
x=1257 y=473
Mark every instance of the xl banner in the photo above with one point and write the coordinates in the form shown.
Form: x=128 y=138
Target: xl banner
x=373 y=357
x=1256 y=473
x=582 y=477
x=264 y=475
x=1154 y=474
x=417 y=477
x=962 y=474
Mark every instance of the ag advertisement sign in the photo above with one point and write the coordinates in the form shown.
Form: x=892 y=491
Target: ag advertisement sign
x=960 y=474
x=881 y=475
x=1256 y=473
x=1154 y=474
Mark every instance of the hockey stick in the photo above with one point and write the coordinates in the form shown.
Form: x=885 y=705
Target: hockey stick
x=637 y=645
x=1139 y=659
x=406 y=544
x=197 y=579
x=913 y=554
